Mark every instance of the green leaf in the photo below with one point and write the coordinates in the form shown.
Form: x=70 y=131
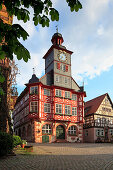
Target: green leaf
x=76 y=8
x=79 y=5
x=2 y=55
x=0 y=6
x=1 y=92
x=2 y=78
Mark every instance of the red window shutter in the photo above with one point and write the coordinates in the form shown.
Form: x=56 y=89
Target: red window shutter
x=58 y=66
x=66 y=67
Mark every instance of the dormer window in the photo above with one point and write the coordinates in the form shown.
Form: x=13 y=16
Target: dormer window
x=34 y=90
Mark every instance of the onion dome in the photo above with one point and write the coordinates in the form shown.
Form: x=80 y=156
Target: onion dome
x=57 y=39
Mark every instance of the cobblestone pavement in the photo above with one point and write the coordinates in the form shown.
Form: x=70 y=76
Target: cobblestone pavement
x=65 y=156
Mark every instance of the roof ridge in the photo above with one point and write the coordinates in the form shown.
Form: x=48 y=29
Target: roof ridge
x=96 y=97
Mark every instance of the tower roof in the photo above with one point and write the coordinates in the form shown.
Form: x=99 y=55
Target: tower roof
x=57 y=39
x=34 y=79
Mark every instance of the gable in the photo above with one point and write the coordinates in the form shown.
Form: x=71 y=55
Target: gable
x=106 y=107
x=75 y=85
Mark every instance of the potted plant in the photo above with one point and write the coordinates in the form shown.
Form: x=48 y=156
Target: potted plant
x=24 y=142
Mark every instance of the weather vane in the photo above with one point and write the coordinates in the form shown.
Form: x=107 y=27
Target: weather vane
x=57 y=28
x=33 y=70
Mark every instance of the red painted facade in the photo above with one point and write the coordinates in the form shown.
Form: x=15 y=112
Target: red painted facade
x=50 y=113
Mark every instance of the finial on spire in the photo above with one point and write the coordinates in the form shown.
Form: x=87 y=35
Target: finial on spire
x=57 y=28
x=33 y=70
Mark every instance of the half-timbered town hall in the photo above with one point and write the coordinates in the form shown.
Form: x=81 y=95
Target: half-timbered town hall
x=51 y=109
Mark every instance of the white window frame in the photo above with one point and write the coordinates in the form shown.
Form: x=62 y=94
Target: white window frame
x=46 y=129
x=46 y=92
x=67 y=109
x=47 y=107
x=100 y=132
x=33 y=90
x=67 y=94
x=66 y=80
x=34 y=107
x=74 y=111
x=97 y=132
x=57 y=79
x=111 y=132
x=58 y=92
x=72 y=130
x=74 y=97
x=58 y=108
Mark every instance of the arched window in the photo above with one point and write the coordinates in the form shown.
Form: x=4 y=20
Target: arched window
x=46 y=129
x=72 y=130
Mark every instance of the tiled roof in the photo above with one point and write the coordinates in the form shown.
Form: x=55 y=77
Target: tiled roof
x=91 y=106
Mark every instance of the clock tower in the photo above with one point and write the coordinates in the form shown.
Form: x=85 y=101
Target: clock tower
x=58 y=65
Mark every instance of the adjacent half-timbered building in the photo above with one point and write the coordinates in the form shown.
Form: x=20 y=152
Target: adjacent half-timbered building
x=51 y=108
x=98 y=116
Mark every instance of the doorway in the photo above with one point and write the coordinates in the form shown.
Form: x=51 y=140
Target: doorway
x=60 y=132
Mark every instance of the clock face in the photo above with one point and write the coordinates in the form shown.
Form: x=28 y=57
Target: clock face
x=62 y=56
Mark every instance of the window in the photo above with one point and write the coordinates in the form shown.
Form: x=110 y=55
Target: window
x=67 y=109
x=86 y=132
x=66 y=80
x=67 y=94
x=72 y=130
x=47 y=107
x=57 y=78
x=64 y=68
x=74 y=111
x=58 y=92
x=46 y=129
x=111 y=131
x=99 y=132
x=34 y=107
x=74 y=97
x=47 y=92
x=59 y=108
x=34 y=90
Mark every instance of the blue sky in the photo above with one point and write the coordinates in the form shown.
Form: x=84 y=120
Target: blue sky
x=88 y=33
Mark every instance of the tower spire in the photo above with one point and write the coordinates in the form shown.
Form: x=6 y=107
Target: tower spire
x=33 y=70
x=56 y=28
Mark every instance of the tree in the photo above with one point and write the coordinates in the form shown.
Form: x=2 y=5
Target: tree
x=43 y=12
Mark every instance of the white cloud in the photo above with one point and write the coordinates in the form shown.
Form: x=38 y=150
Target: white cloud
x=88 y=33
x=95 y=9
x=100 y=30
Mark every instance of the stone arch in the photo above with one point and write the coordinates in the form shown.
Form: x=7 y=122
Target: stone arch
x=60 y=132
